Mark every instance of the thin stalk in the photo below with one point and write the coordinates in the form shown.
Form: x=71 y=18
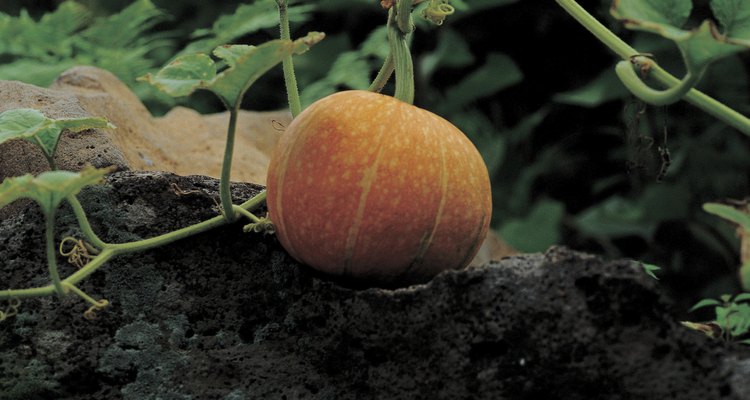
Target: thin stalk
x=247 y=214
x=84 y=224
x=49 y=237
x=27 y=293
x=225 y=192
x=402 y=57
x=161 y=240
x=383 y=75
x=255 y=201
x=84 y=296
x=292 y=91
x=626 y=52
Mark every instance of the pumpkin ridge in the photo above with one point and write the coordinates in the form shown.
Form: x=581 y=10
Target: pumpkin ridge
x=424 y=245
x=366 y=184
x=471 y=252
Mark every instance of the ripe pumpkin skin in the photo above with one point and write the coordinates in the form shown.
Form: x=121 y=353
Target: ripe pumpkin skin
x=367 y=186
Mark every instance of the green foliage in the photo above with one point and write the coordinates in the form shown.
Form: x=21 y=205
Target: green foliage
x=730 y=213
x=246 y=19
x=700 y=46
x=33 y=126
x=240 y=67
x=604 y=88
x=71 y=35
x=732 y=321
x=50 y=188
x=497 y=73
x=619 y=216
x=350 y=68
x=651 y=270
x=539 y=230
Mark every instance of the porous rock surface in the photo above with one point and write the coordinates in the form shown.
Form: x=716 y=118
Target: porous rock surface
x=226 y=315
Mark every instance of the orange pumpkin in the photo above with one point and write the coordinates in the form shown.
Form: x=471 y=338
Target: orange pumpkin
x=367 y=186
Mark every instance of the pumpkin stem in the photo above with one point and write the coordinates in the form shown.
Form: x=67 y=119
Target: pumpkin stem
x=292 y=91
x=400 y=25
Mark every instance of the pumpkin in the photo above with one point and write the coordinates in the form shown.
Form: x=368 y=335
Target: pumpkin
x=366 y=186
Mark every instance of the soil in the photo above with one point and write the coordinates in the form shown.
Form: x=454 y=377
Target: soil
x=228 y=315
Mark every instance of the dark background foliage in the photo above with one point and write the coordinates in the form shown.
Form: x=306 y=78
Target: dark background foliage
x=574 y=159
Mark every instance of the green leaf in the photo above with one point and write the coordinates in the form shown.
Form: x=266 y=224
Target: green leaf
x=246 y=19
x=604 y=88
x=619 y=217
x=46 y=39
x=539 y=230
x=700 y=46
x=705 y=303
x=735 y=318
x=729 y=213
x=350 y=70
x=651 y=269
x=34 y=72
x=653 y=15
x=32 y=125
x=497 y=73
x=49 y=188
x=184 y=75
x=376 y=43
x=733 y=16
x=243 y=66
x=126 y=28
x=466 y=8
x=452 y=52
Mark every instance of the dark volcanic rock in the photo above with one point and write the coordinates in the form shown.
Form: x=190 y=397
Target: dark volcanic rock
x=227 y=315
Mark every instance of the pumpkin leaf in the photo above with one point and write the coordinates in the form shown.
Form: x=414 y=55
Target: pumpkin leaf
x=700 y=46
x=240 y=67
x=729 y=213
x=183 y=75
x=539 y=230
x=48 y=189
x=33 y=126
x=246 y=19
x=705 y=303
x=497 y=73
x=734 y=18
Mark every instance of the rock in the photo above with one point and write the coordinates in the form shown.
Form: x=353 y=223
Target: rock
x=227 y=315
x=183 y=141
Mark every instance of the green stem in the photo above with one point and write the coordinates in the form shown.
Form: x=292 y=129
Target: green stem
x=52 y=253
x=622 y=49
x=161 y=240
x=27 y=293
x=84 y=224
x=399 y=45
x=629 y=77
x=84 y=296
x=225 y=191
x=255 y=201
x=292 y=91
x=111 y=250
x=247 y=214
x=403 y=16
x=383 y=75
